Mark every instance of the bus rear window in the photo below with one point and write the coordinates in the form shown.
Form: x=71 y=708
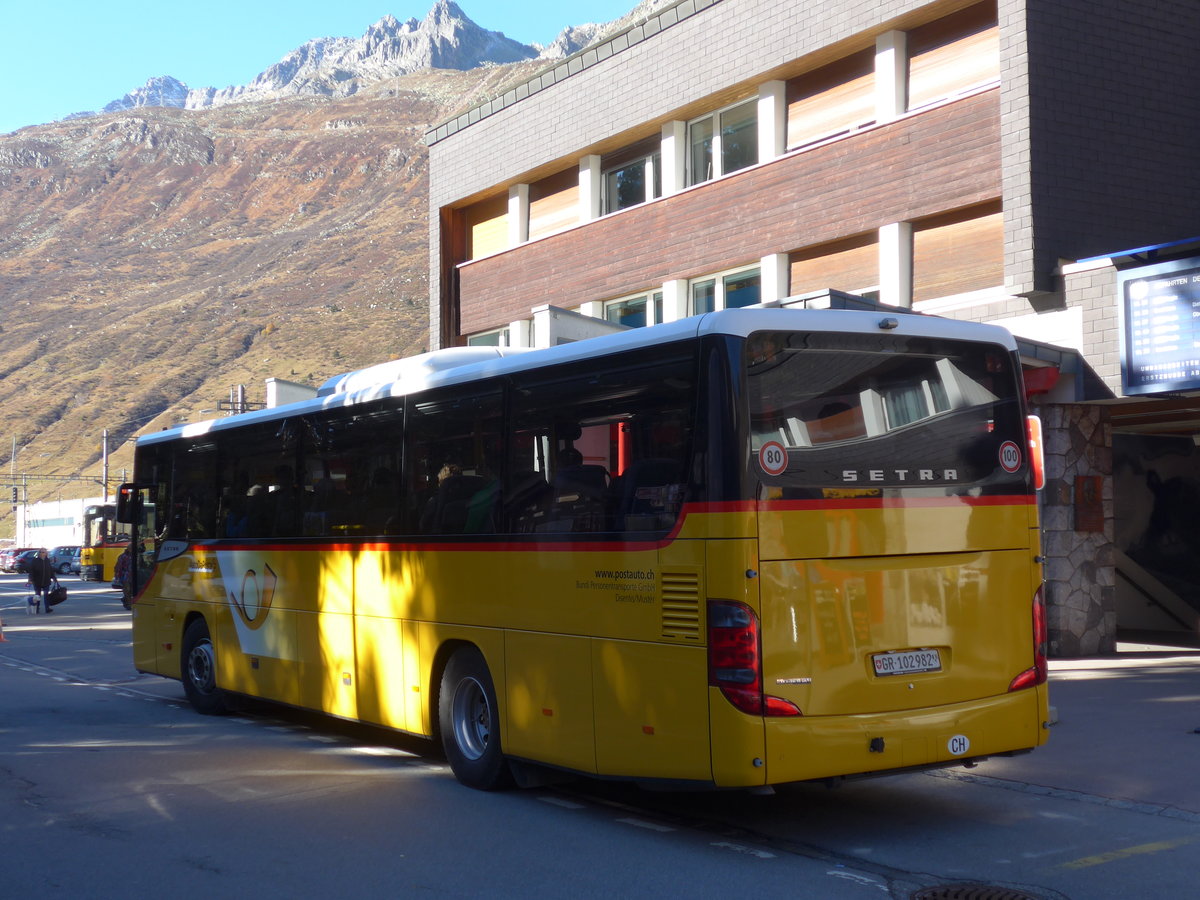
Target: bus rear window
x=882 y=410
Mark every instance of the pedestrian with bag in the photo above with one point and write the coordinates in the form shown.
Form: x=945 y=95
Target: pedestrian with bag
x=121 y=576
x=41 y=577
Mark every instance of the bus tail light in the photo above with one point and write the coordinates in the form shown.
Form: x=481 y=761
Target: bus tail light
x=735 y=660
x=1039 y=671
x=1037 y=453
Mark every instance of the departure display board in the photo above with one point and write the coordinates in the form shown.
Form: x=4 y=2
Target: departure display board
x=1160 y=327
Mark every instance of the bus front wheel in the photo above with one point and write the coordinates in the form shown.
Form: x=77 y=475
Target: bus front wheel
x=199 y=670
x=469 y=723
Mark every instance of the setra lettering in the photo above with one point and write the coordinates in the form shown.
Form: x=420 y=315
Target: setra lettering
x=850 y=476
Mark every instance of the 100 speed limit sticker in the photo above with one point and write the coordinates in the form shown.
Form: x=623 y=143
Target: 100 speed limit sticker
x=1010 y=456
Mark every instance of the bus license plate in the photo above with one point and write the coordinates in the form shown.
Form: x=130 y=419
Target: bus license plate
x=907 y=662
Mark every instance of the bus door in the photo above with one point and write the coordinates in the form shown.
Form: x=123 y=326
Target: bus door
x=137 y=511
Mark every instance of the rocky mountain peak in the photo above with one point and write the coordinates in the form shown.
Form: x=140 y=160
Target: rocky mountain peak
x=162 y=90
x=339 y=66
x=446 y=38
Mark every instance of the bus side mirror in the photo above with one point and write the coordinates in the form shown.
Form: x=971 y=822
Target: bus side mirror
x=126 y=497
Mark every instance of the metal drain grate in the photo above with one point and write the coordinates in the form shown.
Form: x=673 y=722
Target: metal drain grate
x=970 y=892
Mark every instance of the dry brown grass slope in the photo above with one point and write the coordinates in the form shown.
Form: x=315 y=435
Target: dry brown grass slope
x=150 y=260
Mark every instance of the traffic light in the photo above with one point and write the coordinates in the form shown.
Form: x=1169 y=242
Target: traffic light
x=14 y=494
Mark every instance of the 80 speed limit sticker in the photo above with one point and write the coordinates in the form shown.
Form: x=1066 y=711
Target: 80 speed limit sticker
x=773 y=458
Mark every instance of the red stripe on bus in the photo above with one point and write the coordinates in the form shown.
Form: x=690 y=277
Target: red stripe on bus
x=841 y=503
x=631 y=546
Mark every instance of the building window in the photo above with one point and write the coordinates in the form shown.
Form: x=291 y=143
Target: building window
x=728 y=290
x=497 y=338
x=633 y=183
x=635 y=312
x=723 y=142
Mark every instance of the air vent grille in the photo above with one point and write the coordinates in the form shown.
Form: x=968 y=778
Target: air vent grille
x=681 y=605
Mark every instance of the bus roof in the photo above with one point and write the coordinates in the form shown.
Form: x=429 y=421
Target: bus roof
x=459 y=365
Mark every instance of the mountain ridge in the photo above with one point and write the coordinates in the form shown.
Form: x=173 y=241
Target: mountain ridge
x=340 y=66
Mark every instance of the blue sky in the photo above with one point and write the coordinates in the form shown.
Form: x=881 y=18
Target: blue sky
x=63 y=56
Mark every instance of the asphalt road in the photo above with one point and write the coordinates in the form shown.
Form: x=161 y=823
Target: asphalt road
x=110 y=786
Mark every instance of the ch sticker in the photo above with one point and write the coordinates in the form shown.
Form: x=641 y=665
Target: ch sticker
x=254 y=601
x=958 y=745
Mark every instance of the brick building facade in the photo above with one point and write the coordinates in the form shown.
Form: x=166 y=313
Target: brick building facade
x=955 y=157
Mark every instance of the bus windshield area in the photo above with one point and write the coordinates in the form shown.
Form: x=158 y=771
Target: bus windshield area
x=875 y=411
x=100 y=527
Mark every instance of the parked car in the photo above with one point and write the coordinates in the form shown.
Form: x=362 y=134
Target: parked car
x=24 y=558
x=76 y=563
x=60 y=558
x=8 y=558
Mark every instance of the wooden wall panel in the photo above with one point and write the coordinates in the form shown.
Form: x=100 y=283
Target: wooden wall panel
x=554 y=203
x=952 y=54
x=944 y=159
x=959 y=252
x=487 y=226
x=831 y=100
x=849 y=265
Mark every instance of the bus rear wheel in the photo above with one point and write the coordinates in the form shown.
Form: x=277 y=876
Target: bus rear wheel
x=469 y=723
x=199 y=670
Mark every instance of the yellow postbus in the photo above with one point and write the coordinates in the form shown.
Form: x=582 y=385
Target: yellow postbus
x=102 y=542
x=747 y=548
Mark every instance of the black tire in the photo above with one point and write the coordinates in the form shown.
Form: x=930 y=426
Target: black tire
x=64 y=569
x=198 y=670
x=469 y=723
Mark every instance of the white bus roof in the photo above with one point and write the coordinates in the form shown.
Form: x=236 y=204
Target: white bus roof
x=458 y=365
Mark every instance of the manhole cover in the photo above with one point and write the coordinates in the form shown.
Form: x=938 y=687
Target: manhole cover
x=970 y=892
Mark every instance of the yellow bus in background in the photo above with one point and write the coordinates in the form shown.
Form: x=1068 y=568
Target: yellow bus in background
x=103 y=542
x=747 y=548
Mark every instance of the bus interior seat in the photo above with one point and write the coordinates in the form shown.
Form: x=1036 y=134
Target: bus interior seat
x=463 y=505
x=589 y=481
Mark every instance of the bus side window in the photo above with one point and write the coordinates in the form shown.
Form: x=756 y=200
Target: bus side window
x=452 y=452
x=601 y=446
x=194 y=508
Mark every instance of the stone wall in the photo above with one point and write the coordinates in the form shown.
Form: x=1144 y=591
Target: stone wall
x=1080 y=567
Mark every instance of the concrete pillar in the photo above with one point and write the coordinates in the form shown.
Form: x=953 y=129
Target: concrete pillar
x=675 y=299
x=896 y=264
x=891 y=75
x=518 y=214
x=774 y=272
x=772 y=120
x=674 y=157
x=520 y=333
x=589 y=188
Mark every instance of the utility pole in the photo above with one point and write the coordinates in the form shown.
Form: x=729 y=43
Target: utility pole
x=104 y=456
